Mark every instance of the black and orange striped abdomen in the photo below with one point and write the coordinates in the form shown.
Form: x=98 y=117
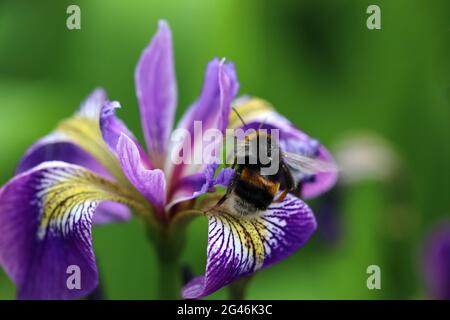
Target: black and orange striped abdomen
x=255 y=189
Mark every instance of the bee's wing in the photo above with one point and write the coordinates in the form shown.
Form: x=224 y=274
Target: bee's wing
x=308 y=165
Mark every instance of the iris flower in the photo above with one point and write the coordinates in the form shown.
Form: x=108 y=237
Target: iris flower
x=92 y=169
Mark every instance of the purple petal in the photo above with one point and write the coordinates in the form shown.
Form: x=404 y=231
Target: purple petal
x=57 y=147
x=256 y=112
x=224 y=177
x=156 y=91
x=91 y=106
x=112 y=128
x=45 y=227
x=150 y=183
x=110 y=212
x=195 y=185
x=214 y=104
x=437 y=264
x=212 y=111
x=239 y=246
x=60 y=146
x=322 y=181
x=52 y=148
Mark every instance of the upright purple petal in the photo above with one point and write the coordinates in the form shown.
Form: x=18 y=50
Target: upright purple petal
x=210 y=111
x=239 y=246
x=150 y=183
x=112 y=128
x=258 y=113
x=214 y=104
x=156 y=91
x=45 y=229
x=437 y=264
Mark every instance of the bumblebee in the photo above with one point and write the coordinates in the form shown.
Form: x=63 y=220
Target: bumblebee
x=252 y=189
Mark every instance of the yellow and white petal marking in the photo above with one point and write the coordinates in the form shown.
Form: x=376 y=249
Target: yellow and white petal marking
x=85 y=132
x=250 y=109
x=255 y=239
x=233 y=237
x=67 y=196
x=238 y=245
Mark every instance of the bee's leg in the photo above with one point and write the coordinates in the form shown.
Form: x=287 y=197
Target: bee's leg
x=282 y=195
x=290 y=183
x=221 y=200
x=231 y=186
x=230 y=189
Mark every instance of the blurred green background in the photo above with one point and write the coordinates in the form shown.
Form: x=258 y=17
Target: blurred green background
x=316 y=61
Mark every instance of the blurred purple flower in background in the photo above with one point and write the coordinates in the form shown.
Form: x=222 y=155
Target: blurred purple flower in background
x=436 y=266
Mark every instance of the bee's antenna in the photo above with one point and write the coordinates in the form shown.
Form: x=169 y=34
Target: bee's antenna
x=239 y=116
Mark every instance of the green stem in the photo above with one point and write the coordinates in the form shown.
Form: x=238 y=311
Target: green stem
x=169 y=239
x=169 y=247
x=237 y=290
x=168 y=279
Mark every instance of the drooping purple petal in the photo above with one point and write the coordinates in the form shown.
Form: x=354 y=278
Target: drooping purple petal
x=156 y=91
x=258 y=113
x=151 y=183
x=111 y=212
x=45 y=229
x=437 y=264
x=57 y=147
x=61 y=145
x=53 y=148
x=210 y=111
x=239 y=246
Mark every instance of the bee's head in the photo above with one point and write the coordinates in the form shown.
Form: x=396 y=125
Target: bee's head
x=260 y=149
